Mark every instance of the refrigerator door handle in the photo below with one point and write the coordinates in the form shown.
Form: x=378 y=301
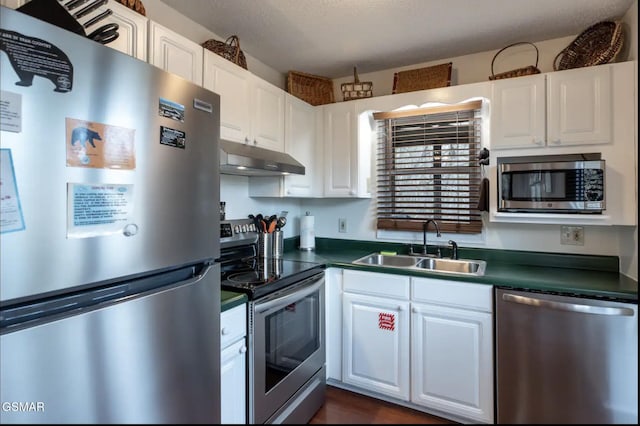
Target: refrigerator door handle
x=569 y=307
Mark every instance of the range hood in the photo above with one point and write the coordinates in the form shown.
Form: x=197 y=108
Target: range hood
x=247 y=160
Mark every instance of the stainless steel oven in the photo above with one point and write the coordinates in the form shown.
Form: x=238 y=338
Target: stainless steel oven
x=286 y=336
x=287 y=353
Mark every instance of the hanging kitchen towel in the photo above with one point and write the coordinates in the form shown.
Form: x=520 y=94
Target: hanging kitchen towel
x=483 y=200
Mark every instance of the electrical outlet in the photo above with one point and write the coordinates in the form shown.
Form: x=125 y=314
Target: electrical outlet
x=572 y=235
x=342 y=225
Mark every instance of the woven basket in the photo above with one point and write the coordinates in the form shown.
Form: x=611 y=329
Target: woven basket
x=312 y=89
x=357 y=89
x=229 y=49
x=422 y=78
x=518 y=72
x=135 y=5
x=598 y=44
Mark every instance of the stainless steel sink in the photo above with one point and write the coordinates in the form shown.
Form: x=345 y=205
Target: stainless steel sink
x=417 y=263
x=460 y=266
x=377 y=259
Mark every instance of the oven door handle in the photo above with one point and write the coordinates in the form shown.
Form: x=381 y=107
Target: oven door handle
x=300 y=291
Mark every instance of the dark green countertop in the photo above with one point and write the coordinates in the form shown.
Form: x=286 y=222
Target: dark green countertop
x=231 y=299
x=585 y=275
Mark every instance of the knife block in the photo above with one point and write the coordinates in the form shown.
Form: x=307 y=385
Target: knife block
x=53 y=12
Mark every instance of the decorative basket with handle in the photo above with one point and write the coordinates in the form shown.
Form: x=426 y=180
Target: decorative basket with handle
x=357 y=89
x=229 y=49
x=518 y=72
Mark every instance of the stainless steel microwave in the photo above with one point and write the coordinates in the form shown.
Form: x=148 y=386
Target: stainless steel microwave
x=569 y=183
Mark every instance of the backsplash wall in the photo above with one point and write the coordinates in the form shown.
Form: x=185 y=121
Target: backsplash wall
x=234 y=190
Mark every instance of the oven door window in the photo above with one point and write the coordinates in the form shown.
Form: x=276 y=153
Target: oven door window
x=292 y=334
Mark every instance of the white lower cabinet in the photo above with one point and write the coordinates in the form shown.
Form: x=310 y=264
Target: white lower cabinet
x=425 y=341
x=233 y=366
x=452 y=347
x=333 y=322
x=376 y=333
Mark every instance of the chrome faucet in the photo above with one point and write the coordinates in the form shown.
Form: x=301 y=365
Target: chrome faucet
x=454 y=249
x=425 y=225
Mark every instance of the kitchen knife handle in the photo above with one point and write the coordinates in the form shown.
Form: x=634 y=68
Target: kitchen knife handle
x=97 y=18
x=90 y=8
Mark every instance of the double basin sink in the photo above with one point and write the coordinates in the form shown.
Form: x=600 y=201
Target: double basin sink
x=431 y=264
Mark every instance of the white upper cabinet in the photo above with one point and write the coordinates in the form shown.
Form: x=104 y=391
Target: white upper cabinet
x=300 y=143
x=175 y=53
x=571 y=107
x=232 y=83
x=132 y=29
x=251 y=109
x=518 y=112
x=579 y=106
x=13 y=4
x=267 y=114
x=347 y=151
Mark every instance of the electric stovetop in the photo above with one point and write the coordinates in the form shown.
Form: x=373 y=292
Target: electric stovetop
x=243 y=271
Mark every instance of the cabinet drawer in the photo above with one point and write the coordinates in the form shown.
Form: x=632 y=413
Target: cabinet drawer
x=233 y=325
x=452 y=293
x=376 y=284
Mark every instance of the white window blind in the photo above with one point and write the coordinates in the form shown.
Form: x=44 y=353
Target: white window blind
x=427 y=167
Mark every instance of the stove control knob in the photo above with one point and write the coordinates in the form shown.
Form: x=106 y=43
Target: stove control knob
x=236 y=229
x=244 y=228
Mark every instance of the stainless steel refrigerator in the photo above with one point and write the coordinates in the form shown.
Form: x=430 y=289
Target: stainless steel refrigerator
x=110 y=286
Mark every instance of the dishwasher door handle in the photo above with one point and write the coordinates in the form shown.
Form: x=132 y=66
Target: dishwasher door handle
x=570 y=307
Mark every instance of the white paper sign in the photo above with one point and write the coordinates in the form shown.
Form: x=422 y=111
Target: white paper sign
x=10 y=111
x=98 y=209
x=11 y=219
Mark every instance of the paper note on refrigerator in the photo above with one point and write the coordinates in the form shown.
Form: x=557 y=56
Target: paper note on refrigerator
x=98 y=209
x=10 y=211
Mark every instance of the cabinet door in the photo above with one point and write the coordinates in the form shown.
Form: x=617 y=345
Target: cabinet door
x=233 y=370
x=340 y=165
x=300 y=143
x=232 y=84
x=579 y=106
x=132 y=29
x=452 y=361
x=12 y=4
x=333 y=322
x=376 y=344
x=518 y=112
x=175 y=53
x=267 y=115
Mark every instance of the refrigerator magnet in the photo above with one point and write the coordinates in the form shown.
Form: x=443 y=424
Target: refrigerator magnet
x=172 y=110
x=100 y=146
x=172 y=137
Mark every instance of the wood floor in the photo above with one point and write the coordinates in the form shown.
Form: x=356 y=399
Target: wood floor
x=344 y=407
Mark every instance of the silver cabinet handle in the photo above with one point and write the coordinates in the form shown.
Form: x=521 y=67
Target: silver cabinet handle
x=570 y=307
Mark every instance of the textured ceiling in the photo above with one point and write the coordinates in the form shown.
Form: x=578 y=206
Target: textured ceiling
x=329 y=37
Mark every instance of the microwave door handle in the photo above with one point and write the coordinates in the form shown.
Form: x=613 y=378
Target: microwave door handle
x=289 y=298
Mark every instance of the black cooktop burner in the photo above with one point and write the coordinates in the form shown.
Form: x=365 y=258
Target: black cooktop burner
x=252 y=277
x=258 y=277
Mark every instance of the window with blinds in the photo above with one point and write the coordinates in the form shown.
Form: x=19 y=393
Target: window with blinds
x=427 y=167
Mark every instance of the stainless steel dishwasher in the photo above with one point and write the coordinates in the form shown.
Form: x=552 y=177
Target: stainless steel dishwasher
x=565 y=359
